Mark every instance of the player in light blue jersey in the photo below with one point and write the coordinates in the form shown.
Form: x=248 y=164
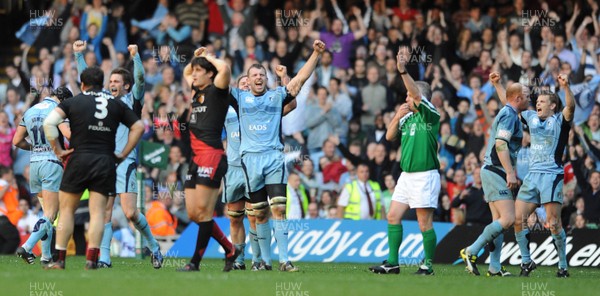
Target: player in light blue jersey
x=499 y=177
x=234 y=187
x=45 y=171
x=260 y=112
x=549 y=129
x=120 y=86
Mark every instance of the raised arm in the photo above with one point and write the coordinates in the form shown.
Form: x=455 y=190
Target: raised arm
x=223 y=72
x=294 y=86
x=362 y=29
x=495 y=80
x=78 y=48
x=569 y=110
x=139 y=83
x=340 y=16
x=456 y=84
x=409 y=83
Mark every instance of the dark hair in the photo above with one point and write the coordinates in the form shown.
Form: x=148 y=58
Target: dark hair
x=553 y=99
x=127 y=78
x=363 y=163
x=62 y=93
x=256 y=66
x=336 y=80
x=93 y=77
x=322 y=87
x=4 y=170
x=203 y=63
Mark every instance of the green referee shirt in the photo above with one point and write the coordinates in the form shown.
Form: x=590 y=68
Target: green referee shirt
x=419 y=133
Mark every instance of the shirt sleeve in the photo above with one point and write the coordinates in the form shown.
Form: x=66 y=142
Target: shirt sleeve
x=344 y=197
x=506 y=127
x=22 y=122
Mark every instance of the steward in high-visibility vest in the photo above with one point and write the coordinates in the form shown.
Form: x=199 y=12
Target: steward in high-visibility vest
x=353 y=208
x=305 y=200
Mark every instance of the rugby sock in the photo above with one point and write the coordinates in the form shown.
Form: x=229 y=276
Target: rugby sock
x=222 y=239
x=281 y=237
x=105 y=243
x=523 y=242
x=560 y=242
x=62 y=255
x=92 y=254
x=47 y=243
x=142 y=226
x=254 y=245
x=488 y=234
x=204 y=232
x=394 y=242
x=39 y=231
x=429 y=244
x=240 y=258
x=495 y=265
x=263 y=234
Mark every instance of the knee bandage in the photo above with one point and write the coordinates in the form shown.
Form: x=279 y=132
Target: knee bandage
x=236 y=214
x=278 y=201
x=260 y=208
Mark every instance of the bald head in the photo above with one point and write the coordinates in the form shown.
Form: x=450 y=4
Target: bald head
x=514 y=91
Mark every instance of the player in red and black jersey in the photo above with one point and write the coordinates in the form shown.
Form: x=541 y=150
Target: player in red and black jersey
x=209 y=79
x=94 y=117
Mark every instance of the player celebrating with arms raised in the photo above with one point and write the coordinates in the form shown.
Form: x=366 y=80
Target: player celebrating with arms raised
x=419 y=184
x=499 y=178
x=94 y=117
x=260 y=112
x=543 y=184
x=120 y=87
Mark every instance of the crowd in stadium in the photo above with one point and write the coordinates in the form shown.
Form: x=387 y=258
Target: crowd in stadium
x=344 y=109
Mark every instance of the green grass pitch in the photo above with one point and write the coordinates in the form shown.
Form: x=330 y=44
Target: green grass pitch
x=136 y=277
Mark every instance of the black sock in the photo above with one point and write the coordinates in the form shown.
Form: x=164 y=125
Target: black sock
x=204 y=233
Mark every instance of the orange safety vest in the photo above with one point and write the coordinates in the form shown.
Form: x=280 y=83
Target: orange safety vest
x=161 y=222
x=10 y=206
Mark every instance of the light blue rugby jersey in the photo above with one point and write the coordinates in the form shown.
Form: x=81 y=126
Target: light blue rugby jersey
x=506 y=127
x=232 y=129
x=548 y=140
x=137 y=93
x=260 y=119
x=33 y=121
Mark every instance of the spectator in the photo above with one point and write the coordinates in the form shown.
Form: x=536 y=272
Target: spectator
x=340 y=44
x=590 y=188
x=325 y=71
x=386 y=195
x=6 y=134
x=313 y=211
x=361 y=199
x=321 y=120
x=9 y=212
x=472 y=198
x=374 y=99
x=27 y=222
x=161 y=222
x=297 y=198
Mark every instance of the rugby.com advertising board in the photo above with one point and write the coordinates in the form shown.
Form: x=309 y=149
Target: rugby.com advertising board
x=326 y=241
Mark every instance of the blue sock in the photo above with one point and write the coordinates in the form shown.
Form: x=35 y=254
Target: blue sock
x=254 y=246
x=495 y=265
x=560 y=242
x=39 y=232
x=47 y=243
x=523 y=242
x=240 y=258
x=142 y=226
x=263 y=234
x=105 y=244
x=281 y=236
x=489 y=233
